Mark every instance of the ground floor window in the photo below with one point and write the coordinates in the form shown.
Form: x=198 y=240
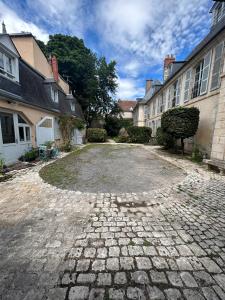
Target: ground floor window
x=24 y=130
x=7 y=126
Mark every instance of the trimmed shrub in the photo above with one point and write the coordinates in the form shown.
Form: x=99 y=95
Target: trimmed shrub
x=30 y=155
x=122 y=139
x=180 y=122
x=139 y=135
x=96 y=135
x=164 y=139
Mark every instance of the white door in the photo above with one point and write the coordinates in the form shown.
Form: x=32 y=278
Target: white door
x=45 y=130
x=15 y=137
x=77 y=137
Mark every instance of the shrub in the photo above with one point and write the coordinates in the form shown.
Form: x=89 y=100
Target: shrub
x=197 y=155
x=140 y=135
x=181 y=122
x=122 y=139
x=112 y=125
x=96 y=135
x=30 y=155
x=164 y=139
x=66 y=147
x=1 y=165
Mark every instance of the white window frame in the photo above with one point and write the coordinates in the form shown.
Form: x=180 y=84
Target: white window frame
x=205 y=70
x=72 y=106
x=218 y=72
x=54 y=95
x=24 y=126
x=3 y=70
x=187 y=85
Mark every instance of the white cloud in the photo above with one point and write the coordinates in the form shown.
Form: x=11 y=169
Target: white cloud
x=15 y=24
x=61 y=15
x=132 y=68
x=128 y=89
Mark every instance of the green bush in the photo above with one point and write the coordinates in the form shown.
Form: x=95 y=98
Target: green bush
x=112 y=126
x=122 y=139
x=66 y=147
x=164 y=139
x=1 y=165
x=197 y=155
x=30 y=155
x=96 y=135
x=180 y=122
x=139 y=135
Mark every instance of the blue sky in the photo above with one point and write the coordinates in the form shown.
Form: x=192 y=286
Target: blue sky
x=136 y=33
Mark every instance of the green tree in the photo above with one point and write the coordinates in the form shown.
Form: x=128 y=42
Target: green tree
x=93 y=81
x=180 y=123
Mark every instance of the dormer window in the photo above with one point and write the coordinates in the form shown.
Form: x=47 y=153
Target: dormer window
x=54 y=95
x=218 y=12
x=7 y=65
x=72 y=106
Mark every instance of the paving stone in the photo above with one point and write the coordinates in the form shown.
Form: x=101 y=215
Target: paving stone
x=120 y=278
x=209 y=293
x=86 y=278
x=104 y=279
x=98 y=265
x=135 y=293
x=96 y=294
x=158 y=277
x=174 y=279
x=79 y=293
x=89 y=252
x=192 y=295
x=102 y=252
x=188 y=279
x=143 y=263
x=116 y=294
x=114 y=251
x=135 y=250
x=75 y=253
x=219 y=292
x=173 y=294
x=149 y=250
x=83 y=265
x=155 y=293
x=140 y=277
x=203 y=278
x=184 y=250
x=112 y=264
x=210 y=265
x=159 y=262
x=220 y=279
x=184 y=264
x=126 y=263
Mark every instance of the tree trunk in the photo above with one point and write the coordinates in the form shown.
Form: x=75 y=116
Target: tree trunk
x=182 y=146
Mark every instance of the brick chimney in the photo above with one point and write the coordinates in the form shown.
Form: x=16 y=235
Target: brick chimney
x=148 y=85
x=167 y=61
x=55 y=70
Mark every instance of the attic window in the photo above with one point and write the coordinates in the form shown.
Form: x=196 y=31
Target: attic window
x=72 y=106
x=7 y=65
x=54 y=95
x=218 y=12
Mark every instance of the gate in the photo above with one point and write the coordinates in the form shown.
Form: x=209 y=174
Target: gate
x=45 y=130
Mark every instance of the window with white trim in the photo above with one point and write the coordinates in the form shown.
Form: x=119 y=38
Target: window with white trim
x=72 y=106
x=218 y=12
x=201 y=76
x=187 y=85
x=174 y=93
x=217 y=66
x=24 y=130
x=7 y=65
x=54 y=95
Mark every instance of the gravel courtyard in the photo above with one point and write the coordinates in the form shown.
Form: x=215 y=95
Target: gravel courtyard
x=161 y=238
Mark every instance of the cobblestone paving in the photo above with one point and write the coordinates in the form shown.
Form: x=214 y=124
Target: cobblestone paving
x=164 y=244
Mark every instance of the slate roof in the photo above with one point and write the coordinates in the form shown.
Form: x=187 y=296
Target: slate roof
x=127 y=105
x=33 y=90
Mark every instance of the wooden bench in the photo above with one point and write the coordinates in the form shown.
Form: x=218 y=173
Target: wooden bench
x=216 y=165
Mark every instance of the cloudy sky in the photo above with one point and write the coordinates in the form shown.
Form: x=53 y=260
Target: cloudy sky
x=136 y=33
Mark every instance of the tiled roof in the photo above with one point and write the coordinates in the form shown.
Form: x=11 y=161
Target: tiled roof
x=127 y=105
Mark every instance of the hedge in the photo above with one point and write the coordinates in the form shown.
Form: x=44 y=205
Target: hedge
x=139 y=135
x=164 y=139
x=96 y=135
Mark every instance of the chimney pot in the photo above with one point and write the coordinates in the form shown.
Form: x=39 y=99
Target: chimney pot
x=3 y=28
x=148 y=85
x=55 y=70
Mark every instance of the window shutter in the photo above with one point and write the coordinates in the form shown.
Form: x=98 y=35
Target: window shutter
x=217 y=66
x=205 y=73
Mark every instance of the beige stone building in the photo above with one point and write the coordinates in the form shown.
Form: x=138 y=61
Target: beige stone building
x=32 y=97
x=127 y=107
x=198 y=81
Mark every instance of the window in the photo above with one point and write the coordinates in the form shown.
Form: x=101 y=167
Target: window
x=187 y=85
x=217 y=66
x=72 y=106
x=219 y=12
x=201 y=76
x=7 y=126
x=24 y=130
x=6 y=65
x=54 y=95
x=174 y=94
x=161 y=103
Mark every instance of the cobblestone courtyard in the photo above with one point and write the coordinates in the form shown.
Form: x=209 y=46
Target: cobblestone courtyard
x=167 y=243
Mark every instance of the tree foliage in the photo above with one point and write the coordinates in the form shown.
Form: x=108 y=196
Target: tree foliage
x=92 y=79
x=180 y=122
x=140 y=135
